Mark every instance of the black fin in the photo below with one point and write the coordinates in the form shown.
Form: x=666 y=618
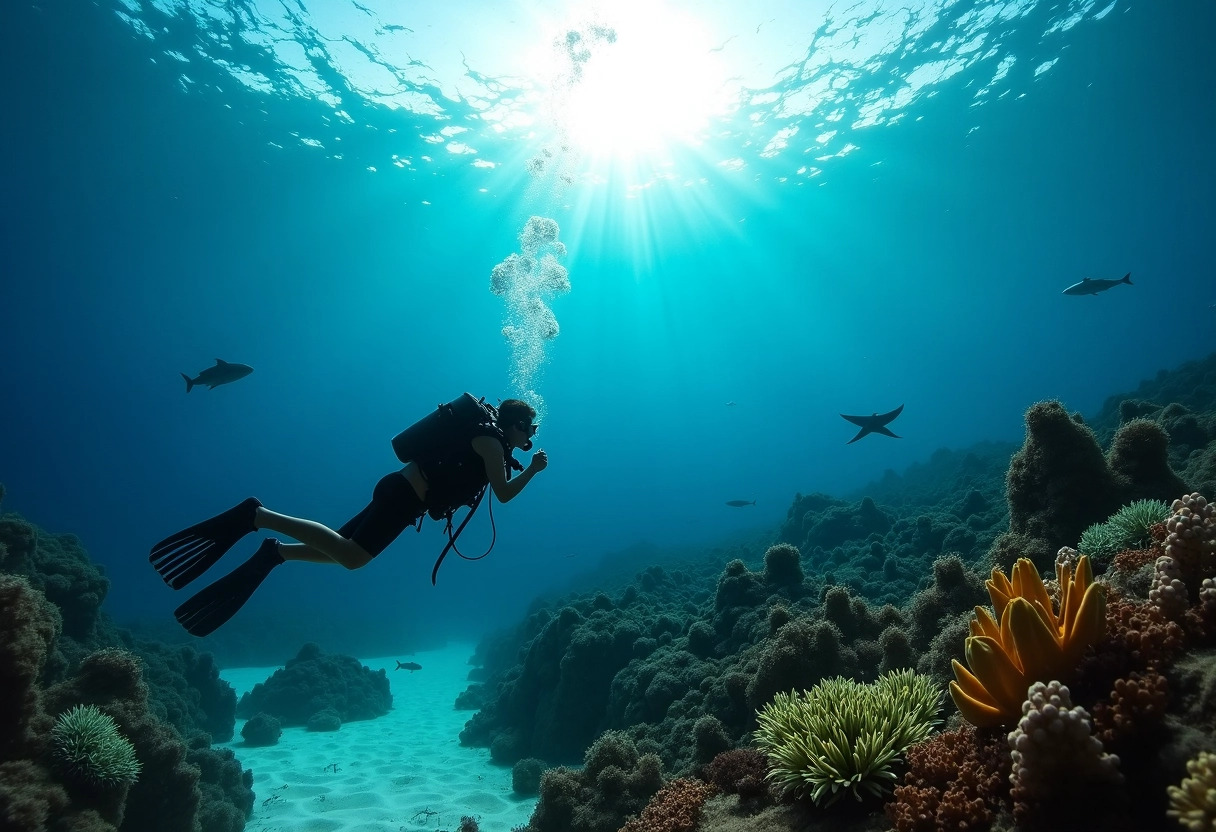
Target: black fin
x=213 y=605
x=182 y=557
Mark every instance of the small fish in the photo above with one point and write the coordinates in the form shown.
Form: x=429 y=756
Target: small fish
x=222 y=373
x=730 y=404
x=874 y=423
x=1094 y=285
x=410 y=666
x=740 y=503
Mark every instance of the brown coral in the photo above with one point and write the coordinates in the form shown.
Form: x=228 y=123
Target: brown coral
x=1136 y=704
x=739 y=771
x=29 y=627
x=1138 y=637
x=955 y=780
x=1129 y=560
x=676 y=808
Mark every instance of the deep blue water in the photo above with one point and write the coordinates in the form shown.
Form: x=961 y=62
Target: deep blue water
x=151 y=224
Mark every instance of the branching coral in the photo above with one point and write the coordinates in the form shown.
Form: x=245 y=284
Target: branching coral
x=1129 y=560
x=739 y=771
x=1034 y=640
x=1193 y=803
x=956 y=780
x=676 y=808
x=1135 y=704
x=1138 y=637
x=843 y=736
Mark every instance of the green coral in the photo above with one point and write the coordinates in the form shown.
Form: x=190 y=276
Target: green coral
x=88 y=745
x=843 y=736
x=1128 y=528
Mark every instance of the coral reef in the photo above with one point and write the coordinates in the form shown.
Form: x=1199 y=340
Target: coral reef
x=185 y=689
x=525 y=776
x=675 y=808
x=1060 y=483
x=615 y=783
x=694 y=646
x=740 y=771
x=314 y=682
x=956 y=779
x=327 y=719
x=262 y=729
x=555 y=704
x=61 y=656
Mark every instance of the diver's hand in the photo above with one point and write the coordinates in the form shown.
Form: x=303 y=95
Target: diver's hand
x=540 y=460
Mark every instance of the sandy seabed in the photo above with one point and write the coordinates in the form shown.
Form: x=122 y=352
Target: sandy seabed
x=403 y=771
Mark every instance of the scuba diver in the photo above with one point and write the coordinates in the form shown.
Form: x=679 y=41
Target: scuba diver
x=450 y=457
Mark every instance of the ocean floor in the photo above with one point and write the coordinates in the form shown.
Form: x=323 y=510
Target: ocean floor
x=403 y=771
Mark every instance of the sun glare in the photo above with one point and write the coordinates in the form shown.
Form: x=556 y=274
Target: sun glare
x=654 y=83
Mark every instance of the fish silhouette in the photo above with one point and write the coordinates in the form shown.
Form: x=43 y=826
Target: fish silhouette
x=223 y=372
x=1094 y=285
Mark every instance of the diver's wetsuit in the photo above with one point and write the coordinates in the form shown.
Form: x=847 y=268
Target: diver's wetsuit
x=451 y=482
x=394 y=506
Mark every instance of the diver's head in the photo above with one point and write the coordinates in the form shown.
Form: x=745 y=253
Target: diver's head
x=517 y=419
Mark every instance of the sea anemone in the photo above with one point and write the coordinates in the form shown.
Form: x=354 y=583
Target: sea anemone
x=843 y=736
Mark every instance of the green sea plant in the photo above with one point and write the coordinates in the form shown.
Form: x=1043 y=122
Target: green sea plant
x=844 y=736
x=87 y=744
x=1128 y=528
x=1100 y=541
x=1134 y=522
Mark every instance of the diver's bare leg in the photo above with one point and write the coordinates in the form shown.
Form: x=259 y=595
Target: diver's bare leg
x=318 y=543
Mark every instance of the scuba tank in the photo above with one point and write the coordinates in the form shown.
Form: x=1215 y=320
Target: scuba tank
x=432 y=442
x=442 y=429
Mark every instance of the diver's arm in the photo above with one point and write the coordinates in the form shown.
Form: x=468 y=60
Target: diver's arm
x=505 y=490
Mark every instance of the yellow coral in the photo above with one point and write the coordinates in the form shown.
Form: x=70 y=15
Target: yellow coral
x=1032 y=643
x=1193 y=804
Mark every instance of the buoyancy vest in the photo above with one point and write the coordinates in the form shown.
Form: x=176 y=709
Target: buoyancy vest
x=458 y=477
x=442 y=445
